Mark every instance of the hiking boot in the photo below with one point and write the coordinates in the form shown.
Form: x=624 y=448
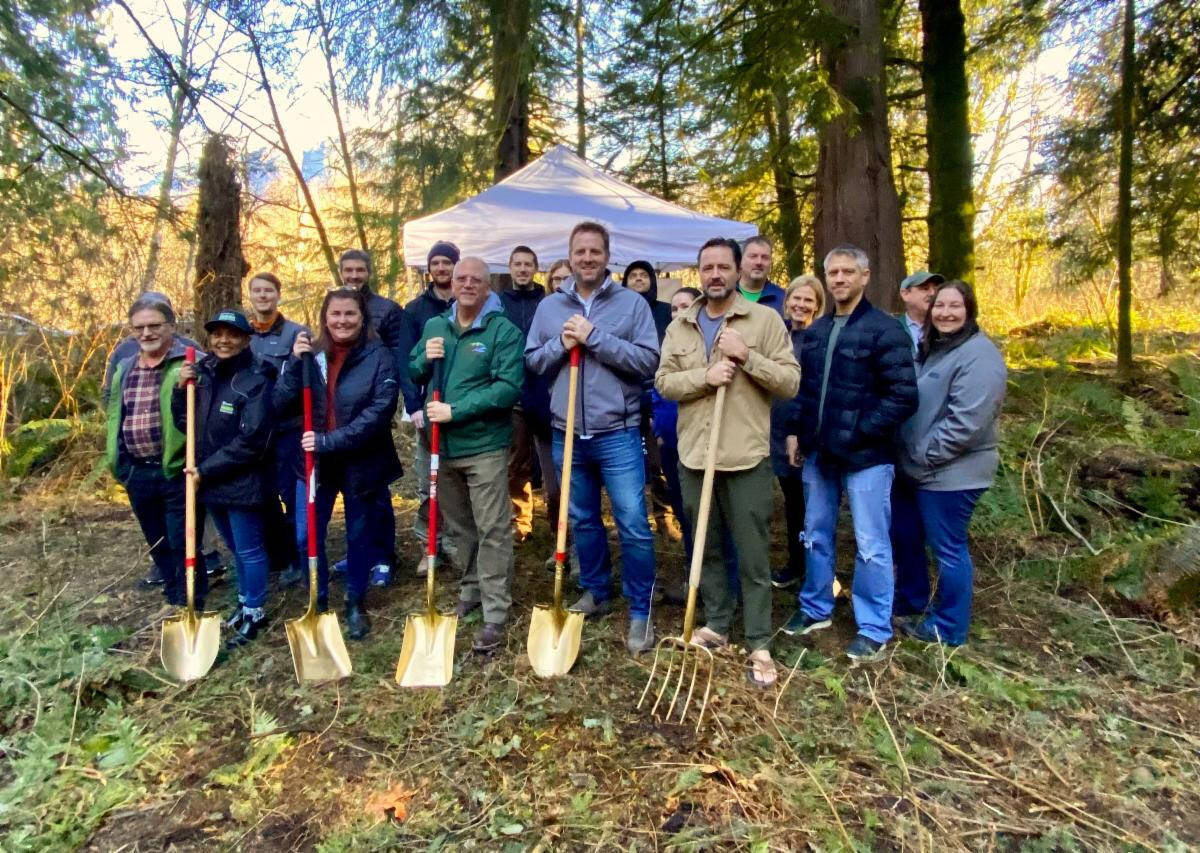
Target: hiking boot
x=590 y=607
x=234 y=618
x=465 y=608
x=252 y=622
x=488 y=638
x=641 y=636
x=784 y=578
x=357 y=623
x=381 y=575
x=919 y=629
x=339 y=568
x=864 y=649
x=800 y=624
x=154 y=577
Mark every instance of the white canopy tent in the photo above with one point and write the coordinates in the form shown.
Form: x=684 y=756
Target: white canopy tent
x=540 y=204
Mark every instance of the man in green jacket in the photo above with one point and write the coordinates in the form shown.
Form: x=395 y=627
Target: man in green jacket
x=480 y=356
x=144 y=450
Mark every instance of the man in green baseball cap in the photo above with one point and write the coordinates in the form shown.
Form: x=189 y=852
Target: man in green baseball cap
x=916 y=292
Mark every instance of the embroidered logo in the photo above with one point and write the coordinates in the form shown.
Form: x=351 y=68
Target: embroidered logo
x=478 y=347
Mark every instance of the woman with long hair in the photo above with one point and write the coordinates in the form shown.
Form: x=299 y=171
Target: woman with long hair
x=355 y=391
x=948 y=449
x=803 y=302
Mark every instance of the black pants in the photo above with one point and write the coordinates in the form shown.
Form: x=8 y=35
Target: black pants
x=158 y=506
x=279 y=514
x=793 y=511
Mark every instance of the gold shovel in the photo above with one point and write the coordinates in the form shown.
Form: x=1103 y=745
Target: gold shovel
x=555 y=633
x=318 y=650
x=191 y=640
x=427 y=652
x=679 y=654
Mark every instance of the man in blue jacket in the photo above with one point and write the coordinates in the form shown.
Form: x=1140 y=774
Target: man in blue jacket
x=755 y=282
x=615 y=330
x=857 y=387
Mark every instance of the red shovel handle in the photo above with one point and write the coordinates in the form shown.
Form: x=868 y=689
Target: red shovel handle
x=435 y=382
x=310 y=466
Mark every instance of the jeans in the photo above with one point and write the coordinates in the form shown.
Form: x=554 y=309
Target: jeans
x=945 y=517
x=612 y=460
x=243 y=529
x=742 y=502
x=381 y=521
x=908 y=549
x=869 y=491
x=360 y=546
x=792 y=486
x=158 y=505
x=473 y=498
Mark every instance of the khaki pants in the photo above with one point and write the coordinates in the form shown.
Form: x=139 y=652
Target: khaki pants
x=742 y=504
x=473 y=501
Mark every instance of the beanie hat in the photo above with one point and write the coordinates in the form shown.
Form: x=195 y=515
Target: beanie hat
x=444 y=248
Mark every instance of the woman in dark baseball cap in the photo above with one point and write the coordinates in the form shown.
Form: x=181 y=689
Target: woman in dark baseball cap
x=233 y=434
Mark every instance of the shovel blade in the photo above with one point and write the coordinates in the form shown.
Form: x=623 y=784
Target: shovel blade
x=318 y=650
x=190 y=643
x=427 y=653
x=554 y=638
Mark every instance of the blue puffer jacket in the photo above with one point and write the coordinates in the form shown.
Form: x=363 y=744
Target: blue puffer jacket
x=359 y=454
x=620 y=354
x=872 y=390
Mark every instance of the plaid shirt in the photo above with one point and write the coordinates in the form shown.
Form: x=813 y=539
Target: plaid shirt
x=142 y=427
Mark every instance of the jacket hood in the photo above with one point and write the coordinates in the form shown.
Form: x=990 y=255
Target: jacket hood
x=491 y=305
x=650 y=295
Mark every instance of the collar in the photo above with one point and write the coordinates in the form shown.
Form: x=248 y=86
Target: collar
x=568 y=286
x=738 y=307
x=491 y=305
x=264 y=328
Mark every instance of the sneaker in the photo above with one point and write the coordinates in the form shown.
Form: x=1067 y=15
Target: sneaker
x=234 y=618
x=641 y=636
x=154 y=577
x=465 y=608
x=488 y=638
x=863 y=649
x=590 y=607
x=339 y=568
x=919 y=629
x=801 y=624
x=381 y=575
x=248 y=628
x=783 y=578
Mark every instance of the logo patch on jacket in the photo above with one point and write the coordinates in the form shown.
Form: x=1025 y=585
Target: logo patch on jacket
x=227 y=407
x=478 y=347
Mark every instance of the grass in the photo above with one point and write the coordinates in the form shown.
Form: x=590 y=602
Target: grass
x=1067 y=723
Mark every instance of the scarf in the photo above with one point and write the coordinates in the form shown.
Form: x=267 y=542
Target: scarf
x=336 y=358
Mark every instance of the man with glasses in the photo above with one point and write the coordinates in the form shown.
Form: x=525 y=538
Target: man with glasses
x=144 y=449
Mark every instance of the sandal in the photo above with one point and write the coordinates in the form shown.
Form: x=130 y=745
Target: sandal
x=707 y=638
x=760 y=669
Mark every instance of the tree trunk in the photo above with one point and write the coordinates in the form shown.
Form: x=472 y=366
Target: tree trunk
x=394 y=265
x=580 y=103
x=856 y=199
x=343 y=144
x=510 y=84
x=783 y=172
x=162 y=212
x=951 y=163
x=1125 y=197
x=220 y=266
x=297 y=172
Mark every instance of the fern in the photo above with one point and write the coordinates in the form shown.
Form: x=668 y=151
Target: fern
x=1135 y=421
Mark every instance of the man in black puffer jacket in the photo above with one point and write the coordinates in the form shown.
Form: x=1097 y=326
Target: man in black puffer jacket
x=857 y=387
x=433 y=302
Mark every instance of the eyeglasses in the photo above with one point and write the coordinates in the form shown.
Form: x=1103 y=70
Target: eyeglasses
x=152 y=328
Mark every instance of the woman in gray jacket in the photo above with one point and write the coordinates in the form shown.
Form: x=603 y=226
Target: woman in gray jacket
x=948 y=449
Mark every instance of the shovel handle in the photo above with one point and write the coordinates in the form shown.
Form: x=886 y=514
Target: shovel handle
x=310 y=460
x=189 y=488
x=701 y=525
x=435 y=383
x=564 y=500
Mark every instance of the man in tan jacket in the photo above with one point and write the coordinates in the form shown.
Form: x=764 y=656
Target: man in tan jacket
x=724 y=339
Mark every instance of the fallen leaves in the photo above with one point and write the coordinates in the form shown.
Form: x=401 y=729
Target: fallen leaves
x=392 y=803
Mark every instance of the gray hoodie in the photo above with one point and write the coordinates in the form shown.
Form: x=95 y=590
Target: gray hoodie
x=950 y=443
x=619 y=355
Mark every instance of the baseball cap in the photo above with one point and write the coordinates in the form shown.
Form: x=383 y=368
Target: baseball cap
x=921 y=277
x=232 y=317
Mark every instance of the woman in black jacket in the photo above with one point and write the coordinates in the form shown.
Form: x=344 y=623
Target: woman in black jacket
x=354 y=391
x=233 y=434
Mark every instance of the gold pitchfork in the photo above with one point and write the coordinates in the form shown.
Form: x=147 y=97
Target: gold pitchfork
x=680 y=654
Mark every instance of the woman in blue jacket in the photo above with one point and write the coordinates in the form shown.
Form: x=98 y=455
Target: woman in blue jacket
x=233 y=471
x=355 y=391
x=948 y=448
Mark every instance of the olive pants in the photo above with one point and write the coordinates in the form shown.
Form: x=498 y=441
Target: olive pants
x=741 y=504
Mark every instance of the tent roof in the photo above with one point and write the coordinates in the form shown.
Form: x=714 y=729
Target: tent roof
x=540 y=204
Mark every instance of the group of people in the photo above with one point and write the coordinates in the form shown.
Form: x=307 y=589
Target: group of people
x=899 y=413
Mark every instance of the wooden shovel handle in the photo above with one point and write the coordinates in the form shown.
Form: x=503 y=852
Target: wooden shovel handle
x=564 y=500
x=701 y=526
